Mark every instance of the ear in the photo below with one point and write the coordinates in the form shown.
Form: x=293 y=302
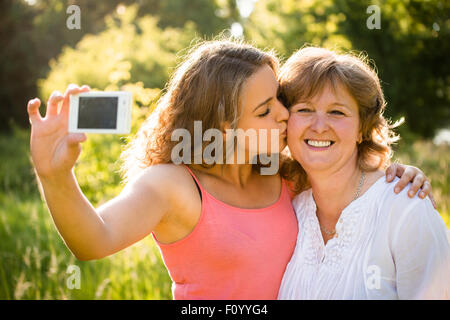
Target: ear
x=360 y=139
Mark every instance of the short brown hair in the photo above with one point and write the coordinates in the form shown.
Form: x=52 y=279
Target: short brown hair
x=306 y=73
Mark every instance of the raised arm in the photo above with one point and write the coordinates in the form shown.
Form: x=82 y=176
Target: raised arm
x=92 y=233
x=88 y=232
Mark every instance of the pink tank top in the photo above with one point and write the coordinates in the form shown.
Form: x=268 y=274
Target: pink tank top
x=233 y=253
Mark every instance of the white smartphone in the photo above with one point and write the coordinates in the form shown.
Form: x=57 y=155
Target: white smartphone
x=100 y=112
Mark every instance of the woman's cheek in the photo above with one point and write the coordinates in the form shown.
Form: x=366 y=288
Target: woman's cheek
x=347 y=130
x=294 y=126
x=294 y=133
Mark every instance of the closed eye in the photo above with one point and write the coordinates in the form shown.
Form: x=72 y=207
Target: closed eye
x=337 y=112
x=304 y=110
x=265 y=113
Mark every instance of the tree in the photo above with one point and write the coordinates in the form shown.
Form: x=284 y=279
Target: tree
x=129 y=50
x=410 y=49
x=32 y=35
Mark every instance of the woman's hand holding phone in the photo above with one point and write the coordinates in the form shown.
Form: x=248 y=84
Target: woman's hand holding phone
x=54 y=150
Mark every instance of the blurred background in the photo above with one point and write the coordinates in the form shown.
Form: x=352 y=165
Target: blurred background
x=135 y=46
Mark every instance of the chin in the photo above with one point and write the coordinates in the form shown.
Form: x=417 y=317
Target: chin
x=314 y=166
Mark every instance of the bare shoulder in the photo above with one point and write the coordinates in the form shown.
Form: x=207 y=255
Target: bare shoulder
x=172 y=180
x=167 y=171
x=176 y=186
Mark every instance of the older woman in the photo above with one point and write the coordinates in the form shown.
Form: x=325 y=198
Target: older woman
x=357 y=239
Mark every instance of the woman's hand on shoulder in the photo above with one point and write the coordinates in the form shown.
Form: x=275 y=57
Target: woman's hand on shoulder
x=409 y=174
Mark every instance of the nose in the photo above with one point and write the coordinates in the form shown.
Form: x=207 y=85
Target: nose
x=283 y=112
x=319 y=123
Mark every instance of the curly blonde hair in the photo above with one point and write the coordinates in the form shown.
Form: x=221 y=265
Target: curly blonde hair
x=305 y=74
x=205 y=87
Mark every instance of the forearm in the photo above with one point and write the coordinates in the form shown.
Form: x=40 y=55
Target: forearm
x=77 y=221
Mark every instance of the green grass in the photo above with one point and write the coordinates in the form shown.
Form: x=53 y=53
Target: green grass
x=433 y=161
x=34 y=259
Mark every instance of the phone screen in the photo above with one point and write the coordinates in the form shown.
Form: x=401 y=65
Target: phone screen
x=97 y=112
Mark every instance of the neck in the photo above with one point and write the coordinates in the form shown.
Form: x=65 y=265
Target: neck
x=236 y=174
x=333 y=191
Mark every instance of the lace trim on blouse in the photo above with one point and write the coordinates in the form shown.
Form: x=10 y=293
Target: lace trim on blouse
x=333 y=254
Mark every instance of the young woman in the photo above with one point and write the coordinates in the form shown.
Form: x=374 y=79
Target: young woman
x=358 y=240
x=225 y=231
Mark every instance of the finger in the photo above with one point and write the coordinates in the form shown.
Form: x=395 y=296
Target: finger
x=400 y=169
x=73 y=139
x=418 y=181
x=391 y=172
x=432 y=200
x=33 y=110
x=52 y=105
x=404 y=179
x=426 y=189
x=72 y=89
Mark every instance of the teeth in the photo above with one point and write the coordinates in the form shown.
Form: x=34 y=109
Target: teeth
x=316 y=143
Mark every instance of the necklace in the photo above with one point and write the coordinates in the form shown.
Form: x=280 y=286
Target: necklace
x=358 y=190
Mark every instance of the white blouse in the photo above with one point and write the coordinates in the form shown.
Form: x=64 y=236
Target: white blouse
x=387 y=246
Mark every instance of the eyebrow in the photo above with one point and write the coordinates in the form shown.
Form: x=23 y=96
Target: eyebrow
x=338 y=104
x=268 y=99
x=331 y=104
x=262 y=103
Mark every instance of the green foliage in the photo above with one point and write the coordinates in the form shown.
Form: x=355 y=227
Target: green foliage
x=16 y=172
x=32 y=35
x=409 y=49
x=34 y=258
x=175 y=13
x=433 y=160
x=410 y=54
x=129 y=50
x=288 y=25
x=29 y=37
x=17 y=58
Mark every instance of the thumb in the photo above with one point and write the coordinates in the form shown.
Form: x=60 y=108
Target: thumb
x=74 y=139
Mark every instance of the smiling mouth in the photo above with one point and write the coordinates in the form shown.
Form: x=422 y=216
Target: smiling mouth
x=319 y=143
